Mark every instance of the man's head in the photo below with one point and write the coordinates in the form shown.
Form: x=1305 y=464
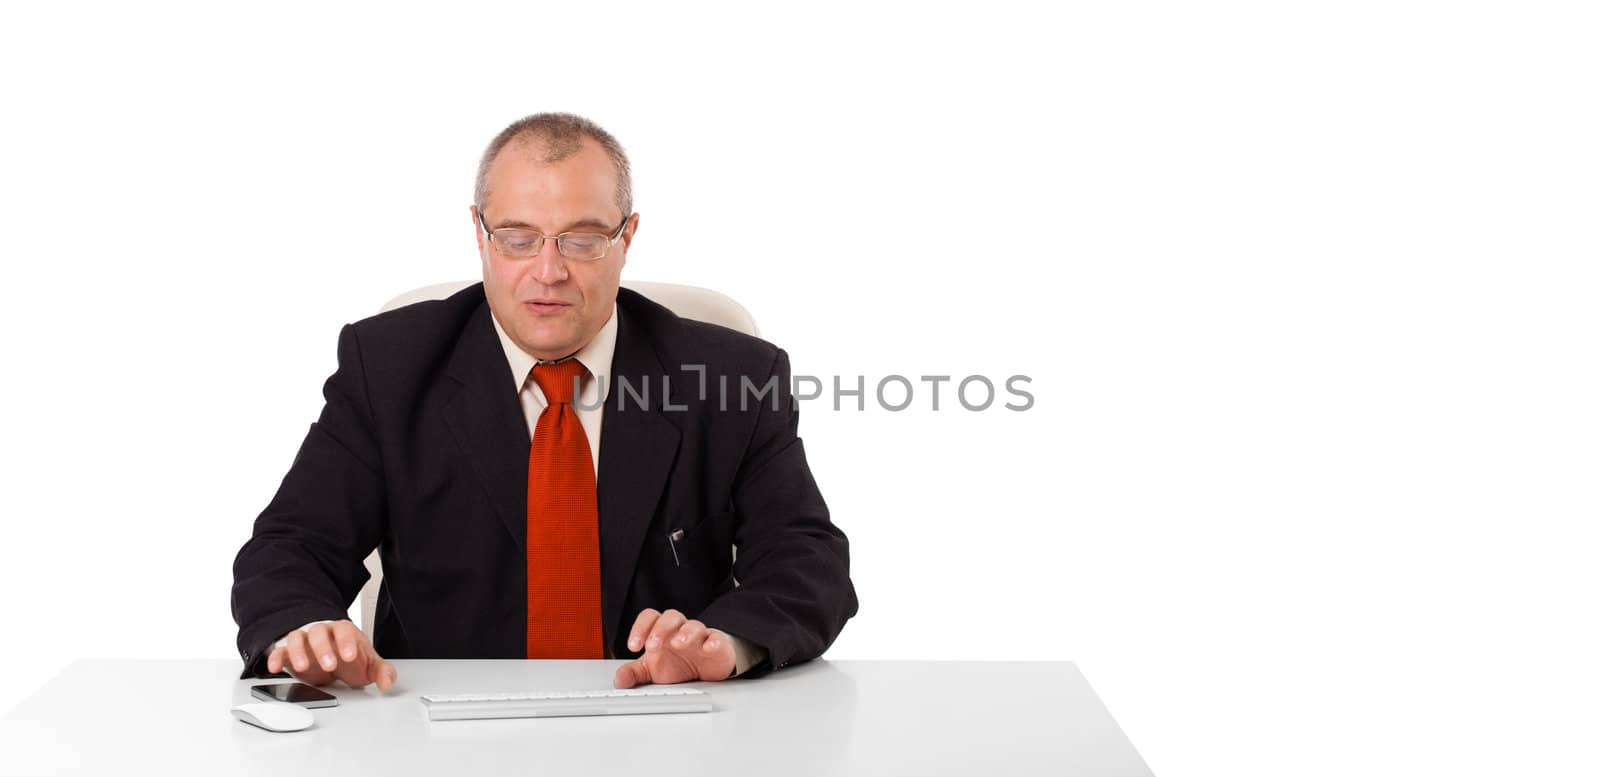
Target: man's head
x=552 y=173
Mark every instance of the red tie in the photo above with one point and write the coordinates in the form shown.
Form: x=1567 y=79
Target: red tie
x=563 y=526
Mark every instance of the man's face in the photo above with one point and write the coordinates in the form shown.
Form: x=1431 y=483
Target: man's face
x=550 y=305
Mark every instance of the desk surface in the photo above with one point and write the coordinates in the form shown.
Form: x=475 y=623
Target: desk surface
x=818 y=718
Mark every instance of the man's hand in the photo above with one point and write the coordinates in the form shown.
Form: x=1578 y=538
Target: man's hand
x=676 y=650
x=323 y=652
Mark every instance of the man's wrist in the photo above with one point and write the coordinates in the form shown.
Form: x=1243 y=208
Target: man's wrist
x=745 y=655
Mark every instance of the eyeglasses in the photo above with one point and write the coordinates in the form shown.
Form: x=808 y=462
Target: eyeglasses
x=524 y=243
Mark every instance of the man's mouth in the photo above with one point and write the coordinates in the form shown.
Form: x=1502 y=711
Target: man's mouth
x=545 y=305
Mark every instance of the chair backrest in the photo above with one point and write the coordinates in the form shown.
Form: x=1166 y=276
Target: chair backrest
x=687 y=301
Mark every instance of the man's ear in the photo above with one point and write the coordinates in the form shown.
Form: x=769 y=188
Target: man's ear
x=627 y=237
x=477 y=228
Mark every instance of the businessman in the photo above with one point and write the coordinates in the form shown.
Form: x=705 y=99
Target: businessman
x=549 y=466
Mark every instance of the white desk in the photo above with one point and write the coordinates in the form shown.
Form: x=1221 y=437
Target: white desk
x=819 y=718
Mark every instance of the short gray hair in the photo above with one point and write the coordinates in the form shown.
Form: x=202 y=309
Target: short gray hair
x=561 y=135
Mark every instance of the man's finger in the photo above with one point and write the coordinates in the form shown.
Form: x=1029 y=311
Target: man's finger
x=689 y=637
x=356 y=673
x=665 y=627
x=321 y=647
x=347 y=638
x=297 y=651
x=632 y=673
x=312 y=673
x=715 y=639
x=276 y=659
x=641 y=627
x=382 y=672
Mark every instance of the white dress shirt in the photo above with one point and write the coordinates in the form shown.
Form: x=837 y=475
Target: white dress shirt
x=589 y=403
x=593 y=389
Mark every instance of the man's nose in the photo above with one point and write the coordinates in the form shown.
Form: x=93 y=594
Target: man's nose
x=549 y=266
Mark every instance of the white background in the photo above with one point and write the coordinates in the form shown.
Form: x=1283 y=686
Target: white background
x=1307 y=293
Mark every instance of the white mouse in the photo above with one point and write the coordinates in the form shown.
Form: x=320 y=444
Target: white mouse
x=275 y=716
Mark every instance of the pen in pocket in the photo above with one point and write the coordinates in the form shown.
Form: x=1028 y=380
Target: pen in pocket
x=672 y=541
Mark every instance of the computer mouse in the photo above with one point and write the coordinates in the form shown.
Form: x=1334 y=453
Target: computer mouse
x=275 y=716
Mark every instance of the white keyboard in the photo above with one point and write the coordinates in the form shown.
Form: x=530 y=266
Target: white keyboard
x=648 y=700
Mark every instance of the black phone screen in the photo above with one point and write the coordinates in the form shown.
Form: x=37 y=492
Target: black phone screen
x=294 y=693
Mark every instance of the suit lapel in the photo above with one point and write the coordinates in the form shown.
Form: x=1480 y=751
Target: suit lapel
x=486 y=419
x=638 y=444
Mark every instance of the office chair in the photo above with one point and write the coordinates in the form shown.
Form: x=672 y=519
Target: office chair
x=687 y=301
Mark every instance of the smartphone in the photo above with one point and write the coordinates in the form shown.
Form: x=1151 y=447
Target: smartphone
x=295 y=693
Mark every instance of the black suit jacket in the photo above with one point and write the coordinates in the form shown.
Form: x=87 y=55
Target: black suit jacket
x=421 y=451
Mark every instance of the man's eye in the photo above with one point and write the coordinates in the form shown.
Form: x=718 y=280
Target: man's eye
x=582 y=243
x=518 y=243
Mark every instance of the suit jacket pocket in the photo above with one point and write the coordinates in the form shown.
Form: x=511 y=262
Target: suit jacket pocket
x=706 y=539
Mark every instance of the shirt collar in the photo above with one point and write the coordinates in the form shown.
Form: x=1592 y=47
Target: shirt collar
x=595 y=355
